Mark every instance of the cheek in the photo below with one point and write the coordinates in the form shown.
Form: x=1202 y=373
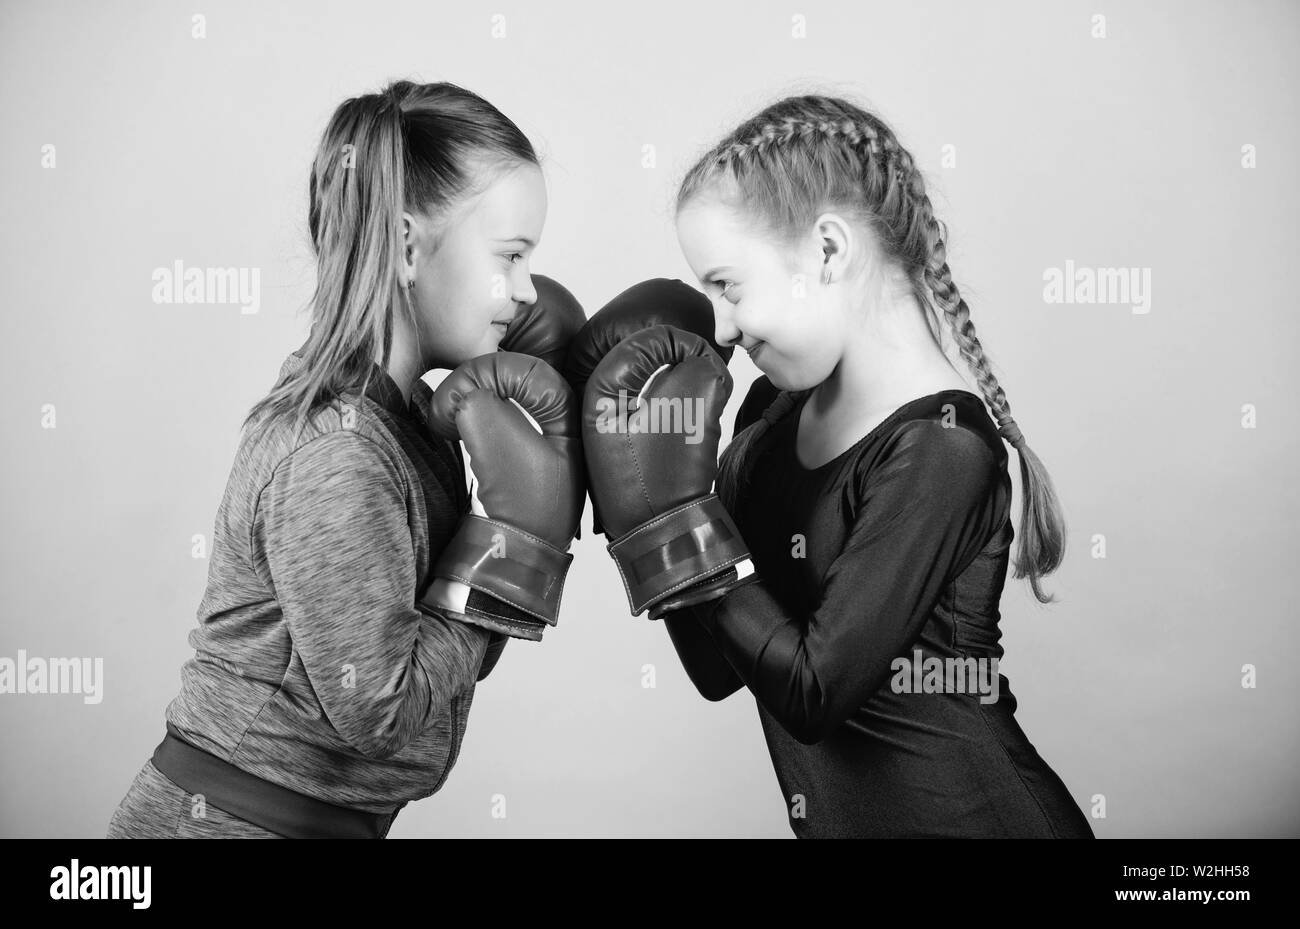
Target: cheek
x=450 y=322
x=806 y=341
x=828 y=321
x=797 y=324
x=497 y=296
x=432 y=308
x=466 y=301
x=762 y=316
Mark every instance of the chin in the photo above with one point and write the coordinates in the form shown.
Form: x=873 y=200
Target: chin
x=777 y=381
x=778 y=377
x=783 y=381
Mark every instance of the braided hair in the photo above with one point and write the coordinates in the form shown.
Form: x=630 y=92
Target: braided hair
x=804 y=154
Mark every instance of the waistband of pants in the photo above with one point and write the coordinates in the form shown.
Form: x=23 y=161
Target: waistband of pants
x=261 y=802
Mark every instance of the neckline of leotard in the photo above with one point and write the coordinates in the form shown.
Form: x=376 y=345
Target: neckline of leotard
x=891 y=419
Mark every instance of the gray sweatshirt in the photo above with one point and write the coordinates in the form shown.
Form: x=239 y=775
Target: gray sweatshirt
x=313 y=668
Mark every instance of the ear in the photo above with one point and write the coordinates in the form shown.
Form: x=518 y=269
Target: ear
x=412 y=243
x=839 y=244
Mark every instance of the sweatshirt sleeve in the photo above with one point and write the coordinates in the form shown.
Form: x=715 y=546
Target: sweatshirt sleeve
x=333 y=522
x=925 y=511
x=703 y=661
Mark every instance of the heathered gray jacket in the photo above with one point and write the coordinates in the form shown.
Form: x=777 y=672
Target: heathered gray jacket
x=313 y=667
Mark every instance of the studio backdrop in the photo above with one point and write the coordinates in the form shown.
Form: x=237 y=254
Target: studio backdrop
x=1119 y=187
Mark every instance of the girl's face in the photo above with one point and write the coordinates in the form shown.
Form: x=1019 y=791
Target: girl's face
x=472 y=284
x=767 y=301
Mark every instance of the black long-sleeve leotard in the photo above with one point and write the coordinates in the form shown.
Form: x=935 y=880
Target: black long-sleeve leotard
x=897 y=548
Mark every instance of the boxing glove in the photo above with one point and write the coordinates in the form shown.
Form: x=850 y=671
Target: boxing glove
x=504 y=569
x=656 y=302
x=651 y=426
x=545 y=327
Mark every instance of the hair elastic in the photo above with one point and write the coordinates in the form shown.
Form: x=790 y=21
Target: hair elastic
x=1010 y=431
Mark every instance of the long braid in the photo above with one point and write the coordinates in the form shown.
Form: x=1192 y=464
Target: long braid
x=1041 y=518
x=736 y=464
x=849 y=156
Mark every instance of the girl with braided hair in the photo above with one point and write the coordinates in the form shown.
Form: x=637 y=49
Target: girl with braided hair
x=871 y=487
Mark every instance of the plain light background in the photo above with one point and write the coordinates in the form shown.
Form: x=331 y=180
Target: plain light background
x=1123 y=151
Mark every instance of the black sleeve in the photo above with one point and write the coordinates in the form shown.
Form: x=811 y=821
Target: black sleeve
x=705 y=665
x=926 y=508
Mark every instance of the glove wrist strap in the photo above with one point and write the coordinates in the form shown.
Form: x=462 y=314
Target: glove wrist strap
x=675 y=550
x=507 y=563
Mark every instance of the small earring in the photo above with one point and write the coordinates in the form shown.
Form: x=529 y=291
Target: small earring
x=826 y=274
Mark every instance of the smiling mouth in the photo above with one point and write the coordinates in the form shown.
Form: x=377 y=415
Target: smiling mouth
x=753 y=352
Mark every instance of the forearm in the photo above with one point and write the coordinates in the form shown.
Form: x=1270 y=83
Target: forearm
x=450 y=656
x=381 y=693
x=704 y=663
x=767 y=652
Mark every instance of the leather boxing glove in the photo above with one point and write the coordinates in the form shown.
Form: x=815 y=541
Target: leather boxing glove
x=657 y=302
x=512 y=559
x=651 y=426
x=545 y=327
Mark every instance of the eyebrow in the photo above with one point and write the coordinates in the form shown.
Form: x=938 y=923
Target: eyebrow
x=520 y=238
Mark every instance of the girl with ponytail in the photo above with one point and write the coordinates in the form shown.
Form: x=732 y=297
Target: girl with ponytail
x=872 y=489
x=321 y=700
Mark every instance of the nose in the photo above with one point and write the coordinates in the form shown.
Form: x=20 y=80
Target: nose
x=725 y=331
x=525 y=291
